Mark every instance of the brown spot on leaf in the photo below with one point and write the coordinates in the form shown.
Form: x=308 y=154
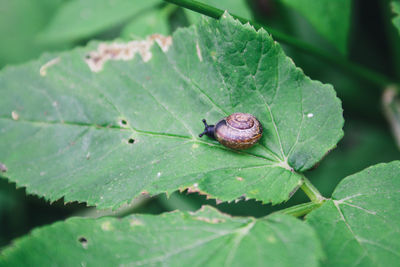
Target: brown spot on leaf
x=125 y=51
x=163 y=41
x=193 y=190
x=210 y=220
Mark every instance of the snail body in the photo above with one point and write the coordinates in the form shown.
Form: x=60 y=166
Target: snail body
x=237 y=131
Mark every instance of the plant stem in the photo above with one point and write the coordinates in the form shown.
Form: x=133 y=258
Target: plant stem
x=301 y=209
x=356 y=70
x=311 y=191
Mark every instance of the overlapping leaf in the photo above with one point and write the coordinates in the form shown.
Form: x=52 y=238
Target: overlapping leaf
x=360 y=226
x=104 y=128
x=205 y=238
x=396 y=11
x=155 y=20
x=330 y=18
x=77 y=19
x=20 y=22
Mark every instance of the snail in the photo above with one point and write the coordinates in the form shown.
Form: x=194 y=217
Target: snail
x=237 y=131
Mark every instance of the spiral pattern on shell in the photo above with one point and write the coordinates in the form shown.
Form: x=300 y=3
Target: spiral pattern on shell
x=238 y=131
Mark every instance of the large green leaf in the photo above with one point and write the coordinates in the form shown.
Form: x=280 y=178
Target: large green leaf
x=331 y=18
x=204 y=238
x=81 y=19
x=396 y=11
x=72 y=127
x=360 y=226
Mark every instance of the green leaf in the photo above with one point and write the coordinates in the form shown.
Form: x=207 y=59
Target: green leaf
x=75 y=128
x=363 y=145
x=396 y=11
x=330 y=18
x=78 y=19
x=360 y=226
x=206 y=237
x=237 y=7
x=153 y=21
x=20 y=22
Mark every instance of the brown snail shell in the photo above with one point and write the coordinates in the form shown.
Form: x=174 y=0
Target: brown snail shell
x=237 y=131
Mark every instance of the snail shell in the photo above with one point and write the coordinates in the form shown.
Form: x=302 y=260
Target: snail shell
x=237 y=131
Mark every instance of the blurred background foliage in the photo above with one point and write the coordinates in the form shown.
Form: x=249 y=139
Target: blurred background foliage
x=32 y=27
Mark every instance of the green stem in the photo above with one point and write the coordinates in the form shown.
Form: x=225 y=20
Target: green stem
x=301 y=209
x=311 y=191
x=352 y=68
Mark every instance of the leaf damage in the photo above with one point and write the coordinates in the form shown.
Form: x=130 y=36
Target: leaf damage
x=84 y=242
x=14 y=115
x=43 y=69
x=106 y=226
x=3 y=167
x=126 y=51
x=209 y=220
x=194 y=189
x=136 y=222
x=198 y=51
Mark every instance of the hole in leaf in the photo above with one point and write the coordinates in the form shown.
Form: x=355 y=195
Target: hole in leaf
x=83 y=241
x=131 y=141
x=87 y=56
x=123 y=122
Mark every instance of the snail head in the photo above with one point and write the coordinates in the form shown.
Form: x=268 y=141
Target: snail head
x=208 y=130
